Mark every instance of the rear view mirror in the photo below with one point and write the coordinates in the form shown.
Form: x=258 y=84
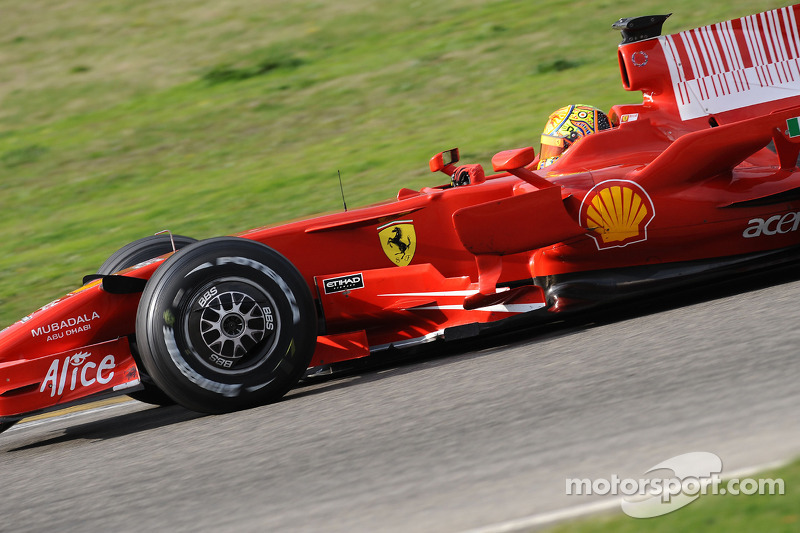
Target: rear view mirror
x=515 y=162
x=509 y=160
x=444 y=161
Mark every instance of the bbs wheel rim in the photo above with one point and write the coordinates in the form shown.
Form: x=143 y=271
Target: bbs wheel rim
x=231 y=325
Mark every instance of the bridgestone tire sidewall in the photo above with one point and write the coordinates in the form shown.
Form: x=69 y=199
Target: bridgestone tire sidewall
x=175 y=354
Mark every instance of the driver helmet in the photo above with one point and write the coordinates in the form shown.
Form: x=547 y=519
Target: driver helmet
x=567 y=125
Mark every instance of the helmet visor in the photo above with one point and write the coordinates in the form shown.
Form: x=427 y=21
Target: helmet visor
x=552 y=147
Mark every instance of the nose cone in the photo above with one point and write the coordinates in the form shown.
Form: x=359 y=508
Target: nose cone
x=86 y=316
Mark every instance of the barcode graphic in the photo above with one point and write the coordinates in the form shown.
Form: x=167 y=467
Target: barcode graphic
x=735 y=64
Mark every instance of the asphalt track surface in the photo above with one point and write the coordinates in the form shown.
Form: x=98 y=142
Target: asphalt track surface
x=458 y=438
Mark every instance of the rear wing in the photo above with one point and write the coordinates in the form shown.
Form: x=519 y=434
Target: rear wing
x=716 y=74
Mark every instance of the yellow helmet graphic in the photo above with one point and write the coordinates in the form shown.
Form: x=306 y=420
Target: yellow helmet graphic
x=567 y=125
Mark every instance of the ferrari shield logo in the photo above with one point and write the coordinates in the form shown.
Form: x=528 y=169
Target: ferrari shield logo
x=617 y=213
x=399 y=241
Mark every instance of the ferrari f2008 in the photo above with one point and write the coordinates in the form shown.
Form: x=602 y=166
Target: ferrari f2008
x=698 y=180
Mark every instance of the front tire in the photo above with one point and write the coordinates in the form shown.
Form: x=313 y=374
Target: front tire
x=226 y=324
x=130 y=255
x=141 y=250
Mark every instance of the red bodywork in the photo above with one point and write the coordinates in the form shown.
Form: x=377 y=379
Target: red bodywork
x=683 y=184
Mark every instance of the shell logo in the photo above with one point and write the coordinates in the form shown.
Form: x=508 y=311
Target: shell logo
x=617 y=213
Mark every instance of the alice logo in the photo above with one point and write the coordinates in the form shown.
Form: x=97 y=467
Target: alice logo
x=76 y=370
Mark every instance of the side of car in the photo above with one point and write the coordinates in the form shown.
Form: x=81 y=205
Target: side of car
x=668 y=194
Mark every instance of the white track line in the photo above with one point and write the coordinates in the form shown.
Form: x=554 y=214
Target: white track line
x=552 y=517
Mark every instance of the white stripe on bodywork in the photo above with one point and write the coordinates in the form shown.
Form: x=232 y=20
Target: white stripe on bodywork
x=442 y=293
x=721 y=81
x=128 y=385
x=498 y=308
x=430 y=337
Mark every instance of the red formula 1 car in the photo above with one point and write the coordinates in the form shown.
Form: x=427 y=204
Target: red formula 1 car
x=698 y=180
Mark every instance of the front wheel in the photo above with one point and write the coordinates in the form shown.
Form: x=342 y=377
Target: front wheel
x=130 y=255
x=141 y=250
x=228 y=323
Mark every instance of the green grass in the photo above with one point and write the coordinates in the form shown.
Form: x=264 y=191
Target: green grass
x=712 y=513
x=120 y=118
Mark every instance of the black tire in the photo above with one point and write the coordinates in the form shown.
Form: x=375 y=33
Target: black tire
x=131 y=255
x=141 y=250
x=5 y=425
x=226 y=324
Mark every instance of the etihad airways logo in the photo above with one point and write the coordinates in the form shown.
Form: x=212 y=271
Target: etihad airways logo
x=344 y=283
